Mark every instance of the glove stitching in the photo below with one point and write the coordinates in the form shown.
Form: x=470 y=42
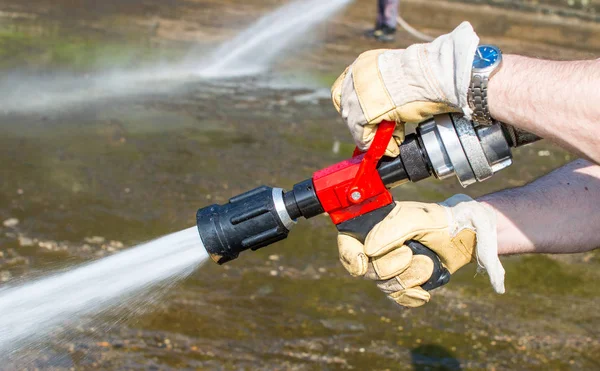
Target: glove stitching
x=387 y=92
x=459 y=247
x=336 y=91
x=430 y=78
x=376 y=120
x=404 y=238
x=364 y=262
x=401 y=282
x=422 y=65
x=389 y=275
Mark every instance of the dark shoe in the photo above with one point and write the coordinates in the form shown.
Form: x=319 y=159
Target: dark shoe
x=385 y=34
x=370 y=34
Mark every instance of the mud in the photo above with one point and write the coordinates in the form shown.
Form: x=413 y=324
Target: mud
x=86 y=182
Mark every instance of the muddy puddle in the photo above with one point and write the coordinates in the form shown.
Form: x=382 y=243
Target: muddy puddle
x=85 y=180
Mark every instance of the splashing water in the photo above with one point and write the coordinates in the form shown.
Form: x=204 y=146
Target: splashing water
x=30 y=312
x=253 y=50
x=41 y=95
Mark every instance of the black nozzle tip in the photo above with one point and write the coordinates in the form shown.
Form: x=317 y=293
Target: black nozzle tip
x=247 y=222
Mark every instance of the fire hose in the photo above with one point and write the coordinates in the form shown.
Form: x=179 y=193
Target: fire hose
x=355 y=192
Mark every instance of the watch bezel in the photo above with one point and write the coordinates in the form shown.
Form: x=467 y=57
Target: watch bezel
x=492 y=67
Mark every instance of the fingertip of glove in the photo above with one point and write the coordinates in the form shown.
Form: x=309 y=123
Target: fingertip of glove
x=411 y=298
x=392 y=151
x=352 y=256
x=336 y=89
x=358 y=267
x=393 y=263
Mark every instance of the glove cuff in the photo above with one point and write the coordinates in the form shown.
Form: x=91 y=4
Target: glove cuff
x=465 y=213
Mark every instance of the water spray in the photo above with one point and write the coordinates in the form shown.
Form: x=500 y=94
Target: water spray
x=32 y=311
x=251 y=52
x=355 y=192
x=254 y=50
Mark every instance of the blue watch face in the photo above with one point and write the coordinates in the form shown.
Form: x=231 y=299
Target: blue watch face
x=485 y=56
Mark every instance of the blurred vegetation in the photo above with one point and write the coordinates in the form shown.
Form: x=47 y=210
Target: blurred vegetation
x=584 y=9
x=25 y=47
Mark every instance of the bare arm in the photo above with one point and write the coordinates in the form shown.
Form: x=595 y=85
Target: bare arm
x=559 y=101
x=557 y=213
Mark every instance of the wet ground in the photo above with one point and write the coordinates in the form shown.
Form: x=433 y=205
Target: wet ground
x=87 y=180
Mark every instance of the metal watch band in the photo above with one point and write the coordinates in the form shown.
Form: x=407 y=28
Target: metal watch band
x=478 y=100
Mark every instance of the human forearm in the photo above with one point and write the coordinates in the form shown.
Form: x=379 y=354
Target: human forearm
x=556 y=100
x=558 y=213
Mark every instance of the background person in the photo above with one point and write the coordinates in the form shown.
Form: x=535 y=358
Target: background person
x=385 y=26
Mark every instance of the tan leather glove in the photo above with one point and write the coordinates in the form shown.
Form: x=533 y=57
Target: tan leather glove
x=406 y=85
x=459 y=230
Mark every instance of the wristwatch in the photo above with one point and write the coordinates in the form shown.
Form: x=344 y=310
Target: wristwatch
x=488 y=59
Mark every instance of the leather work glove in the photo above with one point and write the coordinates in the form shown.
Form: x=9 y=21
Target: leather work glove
x=459 y=230
x=408 y=85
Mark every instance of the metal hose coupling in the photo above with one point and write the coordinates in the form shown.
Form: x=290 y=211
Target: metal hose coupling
x=456 y=146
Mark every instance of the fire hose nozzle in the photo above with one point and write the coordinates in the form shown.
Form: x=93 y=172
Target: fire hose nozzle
x=251 y=220
x=355 y=192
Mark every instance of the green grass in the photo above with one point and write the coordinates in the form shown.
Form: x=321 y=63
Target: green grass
x=327 y=78
x=76 y=51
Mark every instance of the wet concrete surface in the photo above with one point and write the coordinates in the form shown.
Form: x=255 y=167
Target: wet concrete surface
x=87 y=181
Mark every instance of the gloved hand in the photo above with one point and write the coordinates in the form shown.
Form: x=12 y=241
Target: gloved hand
x=459 y=230
x=408 y=85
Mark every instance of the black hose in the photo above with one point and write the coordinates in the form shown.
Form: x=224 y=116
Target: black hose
x=518 y=137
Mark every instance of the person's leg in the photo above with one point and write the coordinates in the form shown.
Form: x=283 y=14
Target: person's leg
x=390 y=12
x=379 y=23
x=380 y=13
x=387 y=14
x=389 y=20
